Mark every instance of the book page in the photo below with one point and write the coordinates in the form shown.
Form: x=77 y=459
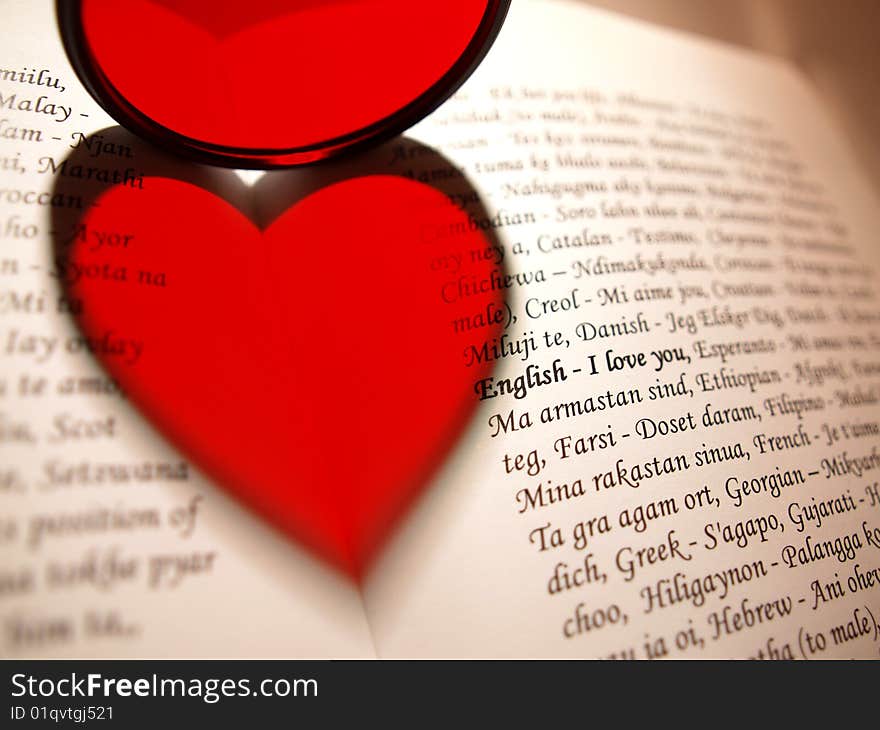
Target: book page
x=111 y=543
x=676 y=455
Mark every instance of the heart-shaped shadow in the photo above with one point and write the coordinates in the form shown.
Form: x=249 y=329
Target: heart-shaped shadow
x=312 y=342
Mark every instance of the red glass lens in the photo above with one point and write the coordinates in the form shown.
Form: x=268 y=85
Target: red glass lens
x=274 y=82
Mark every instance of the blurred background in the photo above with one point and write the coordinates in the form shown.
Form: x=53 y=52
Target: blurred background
x=835 y=42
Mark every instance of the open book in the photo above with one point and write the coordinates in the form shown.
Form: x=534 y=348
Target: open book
x=688 y=250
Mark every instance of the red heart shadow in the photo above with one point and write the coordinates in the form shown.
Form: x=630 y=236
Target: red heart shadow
x=315 y=356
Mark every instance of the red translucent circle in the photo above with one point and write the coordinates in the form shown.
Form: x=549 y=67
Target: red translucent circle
x=267 y=78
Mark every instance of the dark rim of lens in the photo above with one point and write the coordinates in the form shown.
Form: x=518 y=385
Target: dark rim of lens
x=118 y=107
